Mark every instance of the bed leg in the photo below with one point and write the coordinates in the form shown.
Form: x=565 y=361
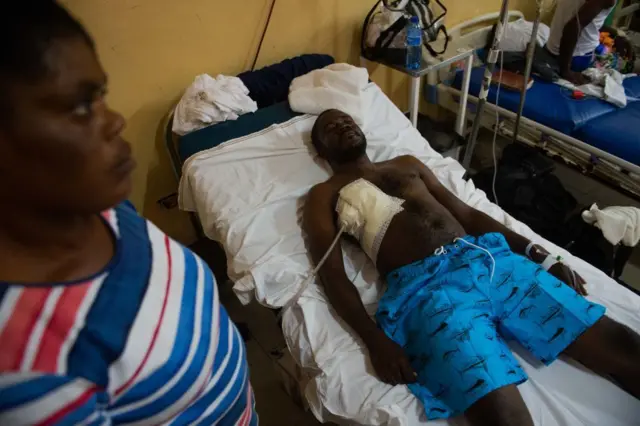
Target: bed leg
x=414 y=100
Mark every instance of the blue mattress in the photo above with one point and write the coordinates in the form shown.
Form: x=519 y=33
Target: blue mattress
x=616 y=133
x=632 y=87
x=592 y=121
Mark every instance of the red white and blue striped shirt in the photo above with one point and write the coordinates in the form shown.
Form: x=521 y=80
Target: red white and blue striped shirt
x=145 y=341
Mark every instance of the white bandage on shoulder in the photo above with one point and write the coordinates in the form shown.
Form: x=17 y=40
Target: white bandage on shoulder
x=365 y=212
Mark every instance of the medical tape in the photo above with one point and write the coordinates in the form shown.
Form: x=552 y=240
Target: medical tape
x=493 y=56
x=486 y=82
x=527 y=251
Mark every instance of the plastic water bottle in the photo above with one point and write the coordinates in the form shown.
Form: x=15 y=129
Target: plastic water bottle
x=414 y=44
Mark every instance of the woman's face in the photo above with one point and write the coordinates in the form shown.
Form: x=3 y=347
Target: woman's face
x=61 y=148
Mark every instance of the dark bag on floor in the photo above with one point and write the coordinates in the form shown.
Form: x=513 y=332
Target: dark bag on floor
x=528 y=190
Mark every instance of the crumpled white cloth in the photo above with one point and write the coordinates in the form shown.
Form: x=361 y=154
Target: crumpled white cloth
x=617 y=223
x=337 y=86
x=606 y=84
x=211 y=100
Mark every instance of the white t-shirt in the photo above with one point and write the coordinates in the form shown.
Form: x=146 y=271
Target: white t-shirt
x=589 y=36
x=517 y=35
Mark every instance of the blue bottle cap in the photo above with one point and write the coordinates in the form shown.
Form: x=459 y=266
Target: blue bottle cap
x=414 y=20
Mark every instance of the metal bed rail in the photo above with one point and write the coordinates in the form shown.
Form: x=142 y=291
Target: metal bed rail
x=608 y=167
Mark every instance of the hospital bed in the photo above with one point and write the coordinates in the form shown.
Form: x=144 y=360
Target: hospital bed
x=591 y=134
x=246 y=182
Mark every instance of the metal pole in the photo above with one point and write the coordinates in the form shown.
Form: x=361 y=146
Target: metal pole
x=414 y=100
x=527 y=69
x=462 y=109
x=486 y=82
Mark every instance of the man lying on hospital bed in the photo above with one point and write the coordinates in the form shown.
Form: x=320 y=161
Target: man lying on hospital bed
x=456 y=289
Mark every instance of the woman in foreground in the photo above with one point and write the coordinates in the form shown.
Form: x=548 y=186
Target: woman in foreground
x=103 y=318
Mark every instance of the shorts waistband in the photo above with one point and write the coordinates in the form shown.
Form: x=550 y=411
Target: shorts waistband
x=492 y=242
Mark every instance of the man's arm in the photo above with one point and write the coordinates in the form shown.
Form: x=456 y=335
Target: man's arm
x=478 y=223
x=587 y=13
x=387 y=357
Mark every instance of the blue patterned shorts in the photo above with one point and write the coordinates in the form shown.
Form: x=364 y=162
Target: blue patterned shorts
x=452 y=320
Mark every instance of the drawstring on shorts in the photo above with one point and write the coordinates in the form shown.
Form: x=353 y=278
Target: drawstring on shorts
x=441 y=250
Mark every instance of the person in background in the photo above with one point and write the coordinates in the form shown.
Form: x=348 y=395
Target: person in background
x=103 y=318
x=575 y=34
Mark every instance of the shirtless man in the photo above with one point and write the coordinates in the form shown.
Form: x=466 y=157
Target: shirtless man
x=455 y=287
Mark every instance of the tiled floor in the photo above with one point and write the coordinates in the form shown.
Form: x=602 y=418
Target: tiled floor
x=266 y=344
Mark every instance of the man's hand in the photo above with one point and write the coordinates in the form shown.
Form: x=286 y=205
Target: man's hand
x=390 y=361
x=569 y=277
x=576 y=78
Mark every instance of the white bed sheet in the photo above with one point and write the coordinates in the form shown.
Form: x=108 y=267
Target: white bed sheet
x=249 y=195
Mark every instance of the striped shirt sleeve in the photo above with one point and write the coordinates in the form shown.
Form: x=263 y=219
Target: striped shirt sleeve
x=45 y=399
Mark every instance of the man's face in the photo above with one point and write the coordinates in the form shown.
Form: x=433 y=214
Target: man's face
x=340 y=137
x=61 y=147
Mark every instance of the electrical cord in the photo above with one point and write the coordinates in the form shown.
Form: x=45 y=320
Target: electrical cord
x=264 y=33
x=312 y=275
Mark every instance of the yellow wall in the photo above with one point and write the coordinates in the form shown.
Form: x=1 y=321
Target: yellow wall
x=152 y=49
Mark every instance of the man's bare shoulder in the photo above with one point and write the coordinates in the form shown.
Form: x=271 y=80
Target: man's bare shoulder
x=322 y=190
x=319 y=205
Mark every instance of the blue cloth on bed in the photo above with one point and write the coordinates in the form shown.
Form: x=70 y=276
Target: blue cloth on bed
x=452 y=320
x=270 y=85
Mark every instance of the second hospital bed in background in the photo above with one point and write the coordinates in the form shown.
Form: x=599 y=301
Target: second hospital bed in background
x=590 y=133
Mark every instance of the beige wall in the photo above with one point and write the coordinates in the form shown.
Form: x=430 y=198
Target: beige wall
x=152 y=49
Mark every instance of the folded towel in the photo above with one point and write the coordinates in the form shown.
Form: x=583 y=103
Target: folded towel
x=211 y=100
x=338 y=86
x=618 y=224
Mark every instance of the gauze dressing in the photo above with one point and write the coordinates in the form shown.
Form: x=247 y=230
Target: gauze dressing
x=365 y=212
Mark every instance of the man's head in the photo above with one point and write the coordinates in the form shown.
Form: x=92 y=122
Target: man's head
x=60 y=145
x=337 y=138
